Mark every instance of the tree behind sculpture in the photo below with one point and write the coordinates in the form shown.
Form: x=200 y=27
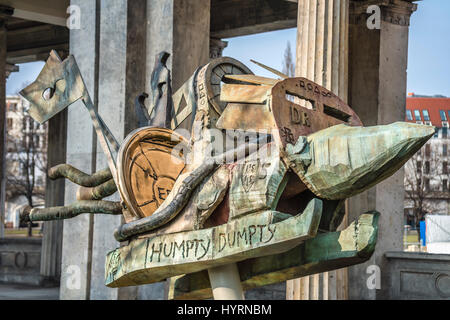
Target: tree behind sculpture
x=288 y=61
x=26 y=160
x=424 y=176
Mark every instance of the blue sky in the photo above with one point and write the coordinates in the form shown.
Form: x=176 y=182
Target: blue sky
x=428 y=60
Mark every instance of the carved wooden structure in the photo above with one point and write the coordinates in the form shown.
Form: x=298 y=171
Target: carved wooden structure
x=259 y=178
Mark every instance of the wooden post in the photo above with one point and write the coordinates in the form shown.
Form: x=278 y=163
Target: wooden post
x=226 y=282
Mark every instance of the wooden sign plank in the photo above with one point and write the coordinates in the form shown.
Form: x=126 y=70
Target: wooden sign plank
x=325 y=252
x=244 y=93
x=154 y=259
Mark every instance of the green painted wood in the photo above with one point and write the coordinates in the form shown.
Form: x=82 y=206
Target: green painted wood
x=325 y=252
x=154 y=259
x=342 y=161
x=258 y=182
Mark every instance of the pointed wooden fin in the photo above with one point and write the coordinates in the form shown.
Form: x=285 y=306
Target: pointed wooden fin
x=250 y=78
x=274 y=71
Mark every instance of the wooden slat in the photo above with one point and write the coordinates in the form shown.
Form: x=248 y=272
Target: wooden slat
x=327 y=251
x=244 y=93
x=250 y=78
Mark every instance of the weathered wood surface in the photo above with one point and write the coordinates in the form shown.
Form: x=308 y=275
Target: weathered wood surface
x=250 y=78
x=258 y=182
x=341 y=161
x=293 y=116
x=325 y=252
x=148 y=167
x=154 y=259
x=244 y=93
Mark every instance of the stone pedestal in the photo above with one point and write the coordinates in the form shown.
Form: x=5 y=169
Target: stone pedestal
x=322 y=56
x=377 y=92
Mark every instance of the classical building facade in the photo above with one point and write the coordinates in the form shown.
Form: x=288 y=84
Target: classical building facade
x=26 y=151
x=115 y=45
x=427 y=173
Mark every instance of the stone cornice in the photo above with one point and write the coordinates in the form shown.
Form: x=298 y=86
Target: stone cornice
x=393 y=11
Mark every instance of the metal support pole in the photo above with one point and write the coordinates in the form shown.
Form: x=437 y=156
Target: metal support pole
x=226 y=282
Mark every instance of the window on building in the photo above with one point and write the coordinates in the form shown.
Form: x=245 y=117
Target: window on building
x=436 y=132
x=444 y=150
x=444 y=132
x=427 y=150
x=427 y=167
x=419 y=166
x=409 y=115
x=443 y=115
x=12 y=107
x=426 y=116
x=427 y=184
x=444 y=185
x=444 y=167
x=10 y=123
x=417 y=115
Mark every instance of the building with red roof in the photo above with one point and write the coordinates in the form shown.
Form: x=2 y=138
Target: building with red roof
x=428 y=110
x=427 y=172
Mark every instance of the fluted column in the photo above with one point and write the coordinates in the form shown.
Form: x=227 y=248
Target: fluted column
x=322 y=56
x=2 y=123
x=54 y=196
x=377 y=92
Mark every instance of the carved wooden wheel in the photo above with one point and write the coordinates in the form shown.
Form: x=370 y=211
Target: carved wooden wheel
x=149 y=162
x=214 y=76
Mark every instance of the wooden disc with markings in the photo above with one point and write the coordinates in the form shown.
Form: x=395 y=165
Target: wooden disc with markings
x=213 y=75
x=149 y=162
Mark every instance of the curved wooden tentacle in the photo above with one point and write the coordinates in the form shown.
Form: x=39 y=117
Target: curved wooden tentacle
x=74 y=209
x=165 y=214
x=79 y=177
x=97 y=193
x=161 y=217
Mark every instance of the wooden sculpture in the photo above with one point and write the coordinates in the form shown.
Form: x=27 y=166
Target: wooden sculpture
x=252 y=170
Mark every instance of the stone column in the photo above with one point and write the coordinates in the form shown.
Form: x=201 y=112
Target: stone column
x=109 y=49
x=377 y=92
x=3 y=49
x=81 y=150
x=121 y=80
x=54 y=196
x=180 y=27
x=322 y=56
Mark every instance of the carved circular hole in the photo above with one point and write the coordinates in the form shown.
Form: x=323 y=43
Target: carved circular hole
x=48 y=94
